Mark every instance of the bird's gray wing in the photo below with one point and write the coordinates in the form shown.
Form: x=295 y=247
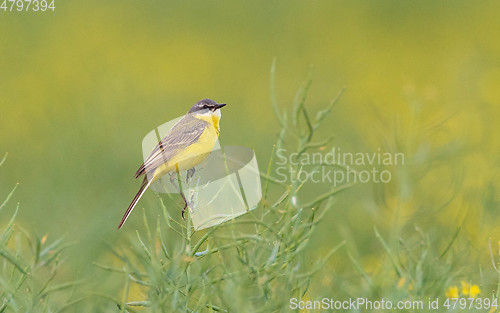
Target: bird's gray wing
x=182 y=134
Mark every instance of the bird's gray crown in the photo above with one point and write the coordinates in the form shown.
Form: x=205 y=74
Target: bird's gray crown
x=206 y=104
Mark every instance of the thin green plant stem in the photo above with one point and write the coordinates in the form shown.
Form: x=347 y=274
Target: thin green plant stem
x=8 y=197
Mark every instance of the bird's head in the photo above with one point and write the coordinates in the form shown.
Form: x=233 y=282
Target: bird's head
x=206 y=106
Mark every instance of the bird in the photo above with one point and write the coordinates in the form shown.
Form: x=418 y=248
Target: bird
x=187 y=144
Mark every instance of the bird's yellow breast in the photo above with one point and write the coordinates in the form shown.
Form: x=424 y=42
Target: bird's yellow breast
x=212 y=119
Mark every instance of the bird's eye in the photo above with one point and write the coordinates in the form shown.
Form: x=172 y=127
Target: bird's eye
x=205 y=106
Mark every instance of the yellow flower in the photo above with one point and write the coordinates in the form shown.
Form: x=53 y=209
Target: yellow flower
x=401 y=282
x=465 y=288
x=452 y=292
x=470 y=290
x=474 y=291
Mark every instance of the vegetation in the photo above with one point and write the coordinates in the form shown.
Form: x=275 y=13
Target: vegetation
x=255 y=263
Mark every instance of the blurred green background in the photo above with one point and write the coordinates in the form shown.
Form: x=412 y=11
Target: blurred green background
x=81 y=86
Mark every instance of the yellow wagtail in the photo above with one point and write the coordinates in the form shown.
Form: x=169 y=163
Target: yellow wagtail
x=187 y=144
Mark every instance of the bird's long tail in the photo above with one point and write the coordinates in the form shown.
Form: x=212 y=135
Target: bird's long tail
x=145 y=184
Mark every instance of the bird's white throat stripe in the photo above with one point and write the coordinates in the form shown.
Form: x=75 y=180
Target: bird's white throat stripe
x=209 y=113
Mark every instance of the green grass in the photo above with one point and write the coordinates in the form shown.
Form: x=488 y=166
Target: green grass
x=29 y=266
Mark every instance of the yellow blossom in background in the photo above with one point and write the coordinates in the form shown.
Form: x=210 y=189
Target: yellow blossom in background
x=465 y=288
x=470 y=290
x=44 y=239
x=401 y=282
x=452 y=292
x=474 y=291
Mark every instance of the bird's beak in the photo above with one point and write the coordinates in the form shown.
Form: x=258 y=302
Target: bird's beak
x=220 y=105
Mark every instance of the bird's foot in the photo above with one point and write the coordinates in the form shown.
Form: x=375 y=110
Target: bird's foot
x=185 y=205
x=184 y=210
